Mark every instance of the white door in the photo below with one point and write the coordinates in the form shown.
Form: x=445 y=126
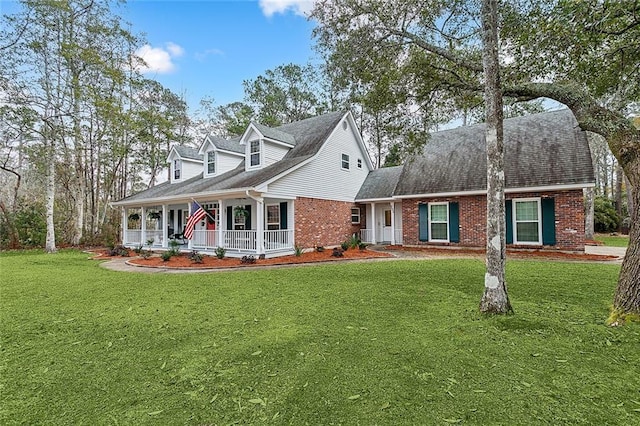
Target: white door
x=386 y=226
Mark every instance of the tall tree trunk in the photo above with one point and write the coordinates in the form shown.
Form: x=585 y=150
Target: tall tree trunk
x=627 y=296
x=495 y=299
x=589 y=214
x=50 y=244
x=630 y=204
x=618 y=195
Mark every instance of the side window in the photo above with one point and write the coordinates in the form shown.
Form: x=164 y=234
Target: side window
x=254 y=153
x=355 y=215
x=439 y=222
x=345 y=161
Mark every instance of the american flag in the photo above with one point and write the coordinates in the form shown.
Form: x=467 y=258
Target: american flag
x=198 y=213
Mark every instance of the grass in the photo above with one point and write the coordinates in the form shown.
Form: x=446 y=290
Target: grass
x=613 y=240
x=367 y=343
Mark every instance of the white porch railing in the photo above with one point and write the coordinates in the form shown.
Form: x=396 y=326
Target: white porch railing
x=278 y=240
x=133 y=236
x=204 y=239
x=398 y=235
x=240 y=240
x=155 y=235
x=366 y=236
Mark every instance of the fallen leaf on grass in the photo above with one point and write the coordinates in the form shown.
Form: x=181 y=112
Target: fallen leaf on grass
x=155 y=413
x=353 y=397
x=256 y=353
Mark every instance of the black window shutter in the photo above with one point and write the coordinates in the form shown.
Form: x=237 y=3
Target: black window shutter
x=548 y=221
x=423 y=222
x=229 y=218
x=247 y=221
x=509 y=220
x=283 y=215
x=454 y=222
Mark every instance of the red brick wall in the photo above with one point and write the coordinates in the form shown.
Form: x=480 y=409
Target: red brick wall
x=323 y=222
x=569 y=210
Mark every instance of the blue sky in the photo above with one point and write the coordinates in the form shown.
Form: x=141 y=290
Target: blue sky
x=209 y=47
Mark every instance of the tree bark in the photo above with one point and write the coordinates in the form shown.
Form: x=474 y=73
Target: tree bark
x=50 y=244
x=589 y=214
x=495 y=299
x=627 y=296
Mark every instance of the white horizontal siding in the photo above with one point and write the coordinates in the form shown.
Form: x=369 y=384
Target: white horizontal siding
x=323 y=177
x=190 y=169
x=272 y=153
x=224 y=163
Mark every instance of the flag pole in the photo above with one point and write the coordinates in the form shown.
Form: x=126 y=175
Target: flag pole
x=205 y=211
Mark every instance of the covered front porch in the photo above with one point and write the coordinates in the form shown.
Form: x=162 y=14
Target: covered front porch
x=383 y=221
x=249 y=225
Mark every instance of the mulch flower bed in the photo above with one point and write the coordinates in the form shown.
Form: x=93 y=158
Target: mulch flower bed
x=514 y=254
x=183 y=261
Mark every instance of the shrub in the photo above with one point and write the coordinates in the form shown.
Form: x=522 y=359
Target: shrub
x=337 y=252
x=220 y=252
x=606 y=219
x=145 y=254
x=196 y=257
x=119 y=250
x=362 y=246
x=138 y=249
x=298 y=251
x=248 y=260
x=174 y=247
x=345 y=245
x=354 y=241
x=166 y=255
x=319 y=249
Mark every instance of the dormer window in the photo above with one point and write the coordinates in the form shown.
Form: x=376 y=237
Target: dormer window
x=254 y=153
x=177 y=167
x=211 y=163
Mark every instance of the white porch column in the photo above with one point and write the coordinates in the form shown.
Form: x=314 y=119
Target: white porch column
x=374 y=225
x=260 y=225
x=165 y=225
x=125 y=225
x=143 y=224
x=393 y=223
x=222 y=223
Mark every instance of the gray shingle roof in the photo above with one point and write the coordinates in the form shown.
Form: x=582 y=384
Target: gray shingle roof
x=309 y=134
x=232 y=145
x=187 y=152
x=380 y=183
x=540 y=150
x=275 y=134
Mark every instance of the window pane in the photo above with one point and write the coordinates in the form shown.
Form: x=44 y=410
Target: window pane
x=387 y=218
x=438 y=213
x=526 y=210
x=345 y=161
x=273 y=214
x=438 y=231
x=355 y=215
x=255 y=159
x=527 y=232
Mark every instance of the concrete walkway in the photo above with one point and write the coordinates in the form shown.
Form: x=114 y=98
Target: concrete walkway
x=119 y=263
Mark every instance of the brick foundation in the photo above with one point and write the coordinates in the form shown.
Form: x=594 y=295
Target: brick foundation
x=569 y=209
x=324 y=222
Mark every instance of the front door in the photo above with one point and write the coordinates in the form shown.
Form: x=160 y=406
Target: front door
x=386 y=228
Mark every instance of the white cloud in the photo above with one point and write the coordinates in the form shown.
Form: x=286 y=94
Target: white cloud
x=299 y=7
x=201 y=56
x=158 y=59
x=175 y=50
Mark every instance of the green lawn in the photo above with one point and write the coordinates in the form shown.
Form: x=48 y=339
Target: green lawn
x=613 y=240
x=361 y=343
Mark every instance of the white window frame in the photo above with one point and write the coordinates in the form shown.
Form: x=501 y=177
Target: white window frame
x=252 y=153
x=209 y=161
x=277 y=222
x=431 y=239
x=357 y=215
x=343 y=161
x=177 y=169
x=515 y=221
